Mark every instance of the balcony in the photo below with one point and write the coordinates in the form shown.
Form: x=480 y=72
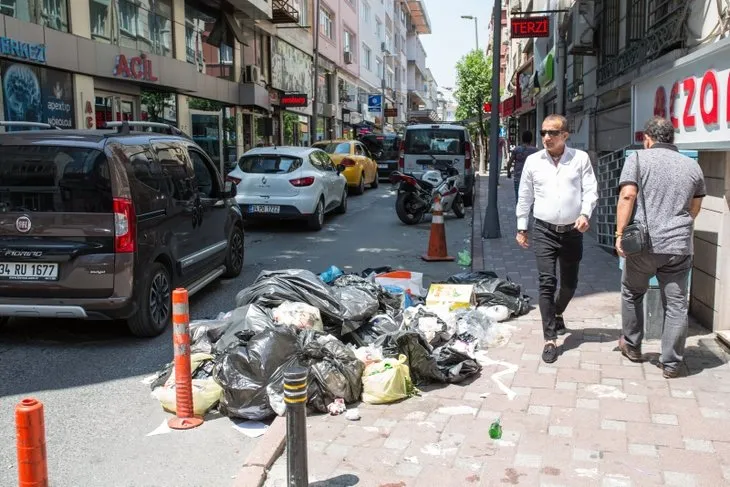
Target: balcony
x=253 y=8
x=667 y=32
x=416 y=53
x=574 y=92
x=419 y=16
x=284 y=12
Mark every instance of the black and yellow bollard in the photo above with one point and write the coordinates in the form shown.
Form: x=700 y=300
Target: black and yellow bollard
x=295 y=397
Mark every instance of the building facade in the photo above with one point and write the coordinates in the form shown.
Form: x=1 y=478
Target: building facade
x=608 y=66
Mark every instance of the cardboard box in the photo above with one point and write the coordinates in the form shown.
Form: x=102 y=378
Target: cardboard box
x=454 y=296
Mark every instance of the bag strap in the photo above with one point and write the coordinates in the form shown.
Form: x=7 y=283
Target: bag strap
x=641 y=191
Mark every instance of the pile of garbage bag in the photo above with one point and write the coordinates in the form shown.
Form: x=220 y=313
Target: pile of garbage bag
x=374 y=336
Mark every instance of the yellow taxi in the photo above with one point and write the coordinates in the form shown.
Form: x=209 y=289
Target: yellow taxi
x=360 y=166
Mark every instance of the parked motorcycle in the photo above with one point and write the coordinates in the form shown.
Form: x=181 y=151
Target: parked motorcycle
x=415 y=197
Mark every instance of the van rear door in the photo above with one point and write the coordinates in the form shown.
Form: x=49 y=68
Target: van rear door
x=425 y=145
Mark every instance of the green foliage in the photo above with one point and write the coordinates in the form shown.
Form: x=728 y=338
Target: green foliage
x=204 y=105
x=473 y=84
x=155 y=102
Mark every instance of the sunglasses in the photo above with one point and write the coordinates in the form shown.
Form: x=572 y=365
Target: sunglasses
x=551 y=133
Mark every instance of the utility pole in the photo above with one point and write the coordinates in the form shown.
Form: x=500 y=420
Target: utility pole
x=315 y=81
x=490 y=226
x=476 y=31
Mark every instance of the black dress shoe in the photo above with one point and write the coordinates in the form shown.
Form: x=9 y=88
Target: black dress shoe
x=550 y=353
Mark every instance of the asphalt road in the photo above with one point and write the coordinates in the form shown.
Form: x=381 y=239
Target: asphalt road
x=98 y=413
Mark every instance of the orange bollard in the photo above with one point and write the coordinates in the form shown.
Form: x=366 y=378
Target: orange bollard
x=30 y=439
x=437 y=239
x=184 y=418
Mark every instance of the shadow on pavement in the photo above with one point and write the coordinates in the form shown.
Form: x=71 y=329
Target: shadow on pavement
x=346 y=480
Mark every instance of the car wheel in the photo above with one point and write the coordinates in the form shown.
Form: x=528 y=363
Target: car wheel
x=360 y=188
x=375 y=182
x=342 y=209
x=154 y=303
x=458 y=207
x=234 y=258
x=316 y=221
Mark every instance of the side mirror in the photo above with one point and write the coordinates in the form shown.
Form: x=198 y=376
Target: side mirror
x=340 y=168
x=230 y=190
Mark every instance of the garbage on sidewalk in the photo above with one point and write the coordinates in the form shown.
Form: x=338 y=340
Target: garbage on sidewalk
x=374 y=336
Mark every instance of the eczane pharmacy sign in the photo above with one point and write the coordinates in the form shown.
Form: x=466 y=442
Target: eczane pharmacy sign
x=694 y=94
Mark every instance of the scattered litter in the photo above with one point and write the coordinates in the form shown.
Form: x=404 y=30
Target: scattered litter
x=353 y=414
x=160 y=430
x=457 y=410
x=464 y=258
x=436 y=450
x=337 y=407
x=411 y=460
x=387 y=381
x=495 y=430
x=149 y=380
x=252 y=429
x=605 y=391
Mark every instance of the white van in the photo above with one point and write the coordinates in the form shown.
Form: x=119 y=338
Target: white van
x=424 y=143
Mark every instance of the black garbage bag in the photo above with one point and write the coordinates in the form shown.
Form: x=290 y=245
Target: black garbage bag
x=490 y=290
x=367 y=334
x=412 y=344
x=249 y=319
x=387 y=302
x=245 y=368
x=358 y=307
x=454 y=362
x=272 y=288
x=334 y=372
x=204 y=333
x=429 y=324
x=376 y=270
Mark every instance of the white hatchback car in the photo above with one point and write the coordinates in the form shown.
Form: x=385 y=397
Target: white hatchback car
x=289 y=183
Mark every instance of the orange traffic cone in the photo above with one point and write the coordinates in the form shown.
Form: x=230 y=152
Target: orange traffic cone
x=437 y=239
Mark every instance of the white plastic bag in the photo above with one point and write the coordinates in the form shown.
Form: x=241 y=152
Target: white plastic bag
x=410 y=281
x=299 y=315
x=498 y=313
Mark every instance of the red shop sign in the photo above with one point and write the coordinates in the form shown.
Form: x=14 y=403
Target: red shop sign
x=528 y=27
x=138 y=68
x=294 y=100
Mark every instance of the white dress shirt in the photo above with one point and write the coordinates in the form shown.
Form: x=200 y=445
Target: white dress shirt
x=560 y=192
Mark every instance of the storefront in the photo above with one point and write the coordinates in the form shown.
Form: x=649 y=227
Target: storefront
x=695 y=95
x=291 y=75
x=30 y=91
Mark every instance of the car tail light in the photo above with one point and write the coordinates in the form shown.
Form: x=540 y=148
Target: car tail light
x=467 y=156
x=299 y=182
x=401 y=157
x=347 y=162
x=235 y=181
x=125 y=226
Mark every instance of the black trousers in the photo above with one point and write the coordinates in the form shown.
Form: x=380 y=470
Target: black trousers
x=551 y=248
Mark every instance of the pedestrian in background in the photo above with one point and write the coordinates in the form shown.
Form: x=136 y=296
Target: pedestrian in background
x=670 y=186
x=518 y=157
x=560 y=183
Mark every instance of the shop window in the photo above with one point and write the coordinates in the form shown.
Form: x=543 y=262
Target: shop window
x=49 y=13
x=143 y=25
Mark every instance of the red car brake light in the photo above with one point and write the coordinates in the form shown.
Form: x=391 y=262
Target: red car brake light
x=125 y=226
x=299 y=182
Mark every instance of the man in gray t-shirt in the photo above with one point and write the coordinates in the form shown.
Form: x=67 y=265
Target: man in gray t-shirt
x=673 y=187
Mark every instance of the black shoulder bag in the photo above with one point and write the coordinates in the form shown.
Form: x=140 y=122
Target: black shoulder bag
x=635 y=238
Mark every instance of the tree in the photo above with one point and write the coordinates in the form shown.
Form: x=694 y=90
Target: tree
x=473 y=88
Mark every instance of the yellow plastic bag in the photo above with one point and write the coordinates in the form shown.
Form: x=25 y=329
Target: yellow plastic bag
x=206 y=392
x=387 y=381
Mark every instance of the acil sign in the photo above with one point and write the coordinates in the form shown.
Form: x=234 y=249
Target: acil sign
x=138 y=68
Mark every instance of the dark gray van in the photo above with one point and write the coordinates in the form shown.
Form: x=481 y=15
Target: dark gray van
x=385 y=149
x=104 y=224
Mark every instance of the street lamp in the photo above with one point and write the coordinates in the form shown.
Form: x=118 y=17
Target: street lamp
x=476 y=28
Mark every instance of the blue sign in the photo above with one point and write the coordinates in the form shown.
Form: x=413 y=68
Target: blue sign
x=375 y=103
x=23 y=50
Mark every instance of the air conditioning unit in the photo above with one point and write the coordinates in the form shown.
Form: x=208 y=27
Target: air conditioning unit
x=253 y=74
x=383 y=47
x=582 y=31
x=348 y=57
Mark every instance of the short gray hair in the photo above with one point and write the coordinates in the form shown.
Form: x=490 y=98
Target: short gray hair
x=558 y=118
x=659 y=130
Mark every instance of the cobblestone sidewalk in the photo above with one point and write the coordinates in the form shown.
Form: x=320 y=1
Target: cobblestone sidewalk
x=591 y=419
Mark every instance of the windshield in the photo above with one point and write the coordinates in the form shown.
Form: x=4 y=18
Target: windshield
x=263 y=164
x=435 y=141
x=389 y=145
x=54 y=179
x=335 y=148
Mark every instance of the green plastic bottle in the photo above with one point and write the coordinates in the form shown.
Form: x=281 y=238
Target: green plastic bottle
x=495 y=430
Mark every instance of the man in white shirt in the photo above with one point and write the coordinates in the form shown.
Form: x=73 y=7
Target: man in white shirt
x=559 y=181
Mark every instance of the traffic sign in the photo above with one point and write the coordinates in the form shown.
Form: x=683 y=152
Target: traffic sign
x=375 y=103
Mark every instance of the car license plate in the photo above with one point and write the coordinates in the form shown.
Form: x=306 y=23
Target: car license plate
x=23 y=271
x=383 y=166
x=263 y=209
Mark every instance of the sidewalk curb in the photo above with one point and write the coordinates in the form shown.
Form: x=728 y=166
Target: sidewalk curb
x=259 y=460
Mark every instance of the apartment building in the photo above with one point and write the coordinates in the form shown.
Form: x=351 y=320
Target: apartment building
x=609 y=65
x=418 y=98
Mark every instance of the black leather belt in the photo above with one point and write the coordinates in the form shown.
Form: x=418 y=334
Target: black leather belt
x=556 y=228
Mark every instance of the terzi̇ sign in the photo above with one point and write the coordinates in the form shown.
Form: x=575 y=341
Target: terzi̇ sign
x=294 y=100
x=527 y=27
x=137 y=67
x=23 y=50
